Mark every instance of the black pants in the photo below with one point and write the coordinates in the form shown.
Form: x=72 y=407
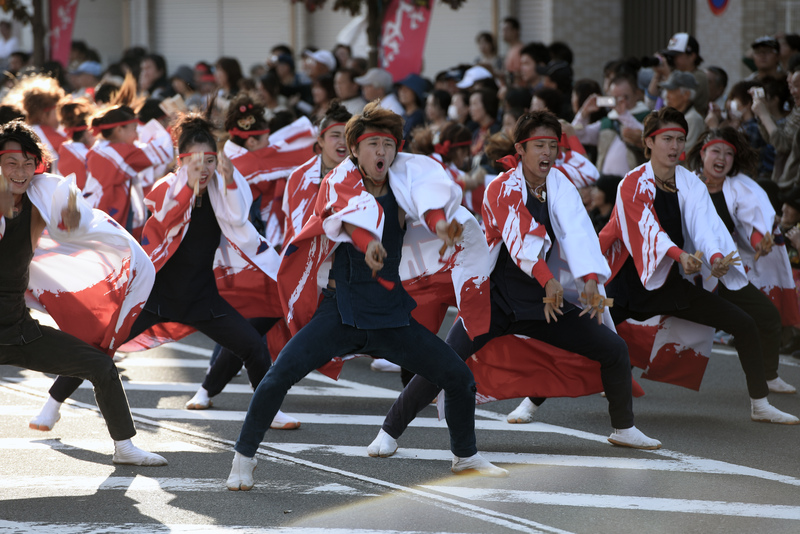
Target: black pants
x=60 y=353
x=712 y=310
x=580 y=335
x=768 y=320
x=230 y=330
x=225 y=363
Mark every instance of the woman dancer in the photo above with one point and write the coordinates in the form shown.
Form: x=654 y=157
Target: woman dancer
x=661 y=211
x=527 y=212
x=74 y=117
x=721 y=157
x=360 y=219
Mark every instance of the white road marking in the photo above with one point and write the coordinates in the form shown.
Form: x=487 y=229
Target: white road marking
x=152 y=528
x=624 y=502
x=104 y=446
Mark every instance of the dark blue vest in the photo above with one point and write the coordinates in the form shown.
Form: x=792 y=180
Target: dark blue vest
x=363 y=302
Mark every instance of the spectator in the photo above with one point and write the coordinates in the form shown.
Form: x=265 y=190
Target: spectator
x=8 y=43
x=717 y=83
x=483 y=107
x=766 y=56
x=268 y=88
x=319 y=63
x=295 y=86
x=458 y=111
x=790 y=45
x=153 y=77
x=348 y=91
x=532 y=56
x=603 y=196
x=560 y=51
x=436 y=106
x=488 y=53
x=323 y=93
x=377 y=85
x=343 y=54
x=473 y=76
x=558 y=76
x=512 y=61
x=411 y=93
x=681 y=88
x=683 y=54
x=618 y=136
x=182 y=81
x=783 y=136
x=85 y=77
x=17 y=61
x=582 y=90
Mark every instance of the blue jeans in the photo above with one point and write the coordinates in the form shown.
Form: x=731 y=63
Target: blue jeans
x=325 y=337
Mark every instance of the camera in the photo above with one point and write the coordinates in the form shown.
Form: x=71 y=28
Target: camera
x=757 y=92
x=606 y=101
x=649 y=61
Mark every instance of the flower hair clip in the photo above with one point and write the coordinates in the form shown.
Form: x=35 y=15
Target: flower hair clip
x=247 y=122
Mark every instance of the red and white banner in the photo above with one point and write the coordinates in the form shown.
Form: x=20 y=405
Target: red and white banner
x=62 y=19
x=405 y=28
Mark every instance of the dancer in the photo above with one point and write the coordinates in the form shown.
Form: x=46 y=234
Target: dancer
x=721 y=157
x=528 y=212
x=31 y=203
x=74 y=117
x=364 y=308
x=192 y=210
x=661 y=211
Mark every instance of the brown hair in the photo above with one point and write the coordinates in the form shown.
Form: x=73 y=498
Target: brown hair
x=373 y=117
x=121 y=107
x=498 y=146
x=745 y=157
x=75 y=114
x=656 y=120
x=36 y=95
x=244 y=113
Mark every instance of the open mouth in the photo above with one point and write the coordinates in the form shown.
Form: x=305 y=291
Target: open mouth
x=341 y=152
x=380 y=165
x=719 y=168
x=544 y=165
x=20 y=182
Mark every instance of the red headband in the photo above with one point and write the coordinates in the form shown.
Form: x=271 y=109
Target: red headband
x=187 y=154
x=329 y=127
x=718 y=141
x=11 y=152
x=100 y=127
x=380 y=134
x=534 y=138
x=672 y=129
x=444 y=148
x=75 y=129
x=245 y=134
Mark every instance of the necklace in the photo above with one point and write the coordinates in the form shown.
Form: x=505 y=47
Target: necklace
x=540 y=191
x=666 y=186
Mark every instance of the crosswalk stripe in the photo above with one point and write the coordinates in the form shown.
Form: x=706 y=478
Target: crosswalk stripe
x=103 y=446
x=152 y=528
x=623 y=502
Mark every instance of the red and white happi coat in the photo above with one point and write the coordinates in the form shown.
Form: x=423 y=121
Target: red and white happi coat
x=518 y=366
x=751 y=210
x=267 y=169
x=72 y=160
x=93 y=280
x=112 y=181
x=667 y=348
x=300 y=196
x=52 y=140
x=419 y=185
x=171 y=202
x=577 y=167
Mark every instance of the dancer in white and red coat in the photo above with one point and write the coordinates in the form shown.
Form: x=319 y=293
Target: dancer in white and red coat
x=193 y=210
x=266 y=159
x=663 y=210
x=74 y=116
x=721 y=157
x=95 y=302
x=528 y=213
x=358 y=227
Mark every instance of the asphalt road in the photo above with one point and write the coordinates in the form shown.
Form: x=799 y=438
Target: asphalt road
x=717 y=473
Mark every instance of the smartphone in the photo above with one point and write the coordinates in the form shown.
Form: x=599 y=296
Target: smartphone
x=606 y=101
x=758 y=92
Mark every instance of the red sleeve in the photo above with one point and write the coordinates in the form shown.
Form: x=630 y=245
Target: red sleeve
x=432 y=218
x=675 y=253
x=591 y=276
x=361 y=239
x=133 y=156
x=755 y=238
x=715 y=257
x=542 y=273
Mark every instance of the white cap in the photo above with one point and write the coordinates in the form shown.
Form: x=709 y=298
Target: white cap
x=324 y=57
x=472 y=75
x=378 y=78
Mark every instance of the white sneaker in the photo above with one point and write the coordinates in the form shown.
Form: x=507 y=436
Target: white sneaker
x=762 y=411
x=777 y=385
x=200 y=401
x=241 y=477
x=126 y=453
x=384 y=366
x=284 y=422
x=382 y=446
x=523 y=413
x=634 y=438
x=478 y=464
